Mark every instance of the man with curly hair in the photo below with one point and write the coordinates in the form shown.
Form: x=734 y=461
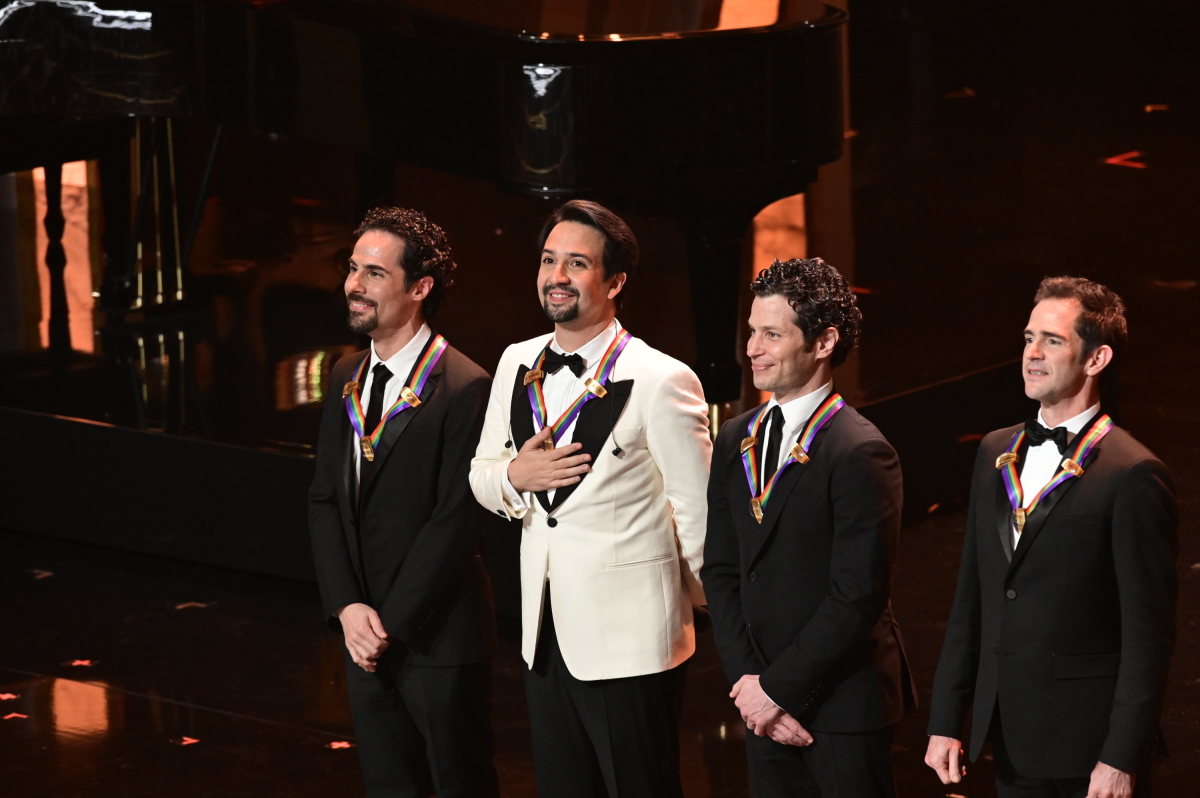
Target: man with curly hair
x=395 y=536
x=803 y=523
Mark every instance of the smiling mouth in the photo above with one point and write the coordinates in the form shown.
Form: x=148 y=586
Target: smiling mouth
x=359 y=305
x=558 y=295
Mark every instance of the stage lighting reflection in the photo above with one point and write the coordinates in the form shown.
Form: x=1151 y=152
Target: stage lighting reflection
x=80 y=710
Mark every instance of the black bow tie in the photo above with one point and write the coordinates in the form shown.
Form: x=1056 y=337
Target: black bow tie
x=1038 y=435
x=556 y=360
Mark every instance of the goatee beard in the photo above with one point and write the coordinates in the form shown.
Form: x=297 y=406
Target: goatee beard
x=361 y=323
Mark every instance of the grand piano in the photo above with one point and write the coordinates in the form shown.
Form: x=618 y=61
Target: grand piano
x=702 y=112
x=652 y=107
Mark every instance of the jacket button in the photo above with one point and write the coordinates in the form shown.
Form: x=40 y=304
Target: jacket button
x=1012 y=594
x=552 y=522
x=753 y=577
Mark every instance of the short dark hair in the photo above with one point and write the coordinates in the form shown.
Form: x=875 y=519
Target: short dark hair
x=821 y=298
x=1102 y=320
x=426 y=250
x=620 y=245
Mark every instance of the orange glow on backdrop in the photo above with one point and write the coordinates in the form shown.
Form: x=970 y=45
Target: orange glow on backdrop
x=78 y=275
x=80 y=710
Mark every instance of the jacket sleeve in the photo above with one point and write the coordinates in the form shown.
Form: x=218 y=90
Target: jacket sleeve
x=678 y=439
x=489 y=467
x=865 y=487
x=954 y=682
x=446 y=544
x=331 y=553
x=722 y=570
x=1144 y=548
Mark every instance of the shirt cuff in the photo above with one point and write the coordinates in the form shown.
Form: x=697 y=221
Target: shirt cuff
x=512 y=496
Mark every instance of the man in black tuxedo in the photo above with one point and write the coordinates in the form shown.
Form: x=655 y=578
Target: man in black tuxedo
x=395 y=535
x=798 y=581
x=1064 y=617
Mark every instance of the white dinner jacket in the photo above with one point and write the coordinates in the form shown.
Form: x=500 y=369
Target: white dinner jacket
x=625 y=552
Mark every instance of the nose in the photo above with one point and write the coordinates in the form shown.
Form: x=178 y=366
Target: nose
x=558 y=275
x=353 y=285
x=1033 y=351
x=753 y=346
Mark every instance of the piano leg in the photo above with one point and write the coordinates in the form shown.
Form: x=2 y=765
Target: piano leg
x=715 y=248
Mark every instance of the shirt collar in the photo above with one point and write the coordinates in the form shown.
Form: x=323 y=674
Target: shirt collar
x=1073 y=425
x=593 y=350
x=797 y=411
x=406 y=356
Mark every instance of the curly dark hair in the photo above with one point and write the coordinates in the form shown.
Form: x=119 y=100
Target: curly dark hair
x=620 y=244
x=820 y=296
x=1102 y=321
x=426 y=250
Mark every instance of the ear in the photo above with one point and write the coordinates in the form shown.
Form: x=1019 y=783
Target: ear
x=618 y=282
x=1098 y=360
x=421 y=288
x=825 y=342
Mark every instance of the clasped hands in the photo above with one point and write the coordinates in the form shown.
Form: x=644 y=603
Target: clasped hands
x=537 y=469
x=366 y=639
x=764 y=717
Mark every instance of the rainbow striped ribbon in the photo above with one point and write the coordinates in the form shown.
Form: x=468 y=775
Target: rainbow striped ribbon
x=435 y=347
x=1071 y=467
x=595 y=389
x=799 y=453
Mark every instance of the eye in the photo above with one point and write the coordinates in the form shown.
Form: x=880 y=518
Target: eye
x=547 y=260
x=578 y=264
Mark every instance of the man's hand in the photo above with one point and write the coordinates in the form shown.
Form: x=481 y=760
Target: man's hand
x=759 y=712
x=366 y=639
x=788 y=731
x=945 y=755
x=535 y=469
x=1108 y=782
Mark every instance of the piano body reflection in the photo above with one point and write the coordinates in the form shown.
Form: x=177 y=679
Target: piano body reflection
x=664 y=109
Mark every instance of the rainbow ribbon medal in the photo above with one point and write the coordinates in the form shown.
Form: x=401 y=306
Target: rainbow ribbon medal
x=595 y=390
x=799 y=453
x=1007 y=465
x=434 y=349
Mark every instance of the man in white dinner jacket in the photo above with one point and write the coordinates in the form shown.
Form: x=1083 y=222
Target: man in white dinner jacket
x=613 y=507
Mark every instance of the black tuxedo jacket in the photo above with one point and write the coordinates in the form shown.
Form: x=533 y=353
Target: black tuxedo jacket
x=411 y=548
x=803 y=598
x=1072 y=632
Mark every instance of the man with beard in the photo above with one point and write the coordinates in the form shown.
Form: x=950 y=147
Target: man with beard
x=600 y=445
x=1064 y=617
x=395 y=537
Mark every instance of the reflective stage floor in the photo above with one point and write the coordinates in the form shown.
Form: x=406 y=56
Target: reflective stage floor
x=123 y=675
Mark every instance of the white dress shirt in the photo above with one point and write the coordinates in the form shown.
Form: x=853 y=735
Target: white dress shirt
x=400 y=364
x=795 y=413
x=1042 y=461
x=560 y=390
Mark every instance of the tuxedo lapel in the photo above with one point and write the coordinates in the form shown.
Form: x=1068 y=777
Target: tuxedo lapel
x=520 y=421
x=592 y=428
x=396 y=425
x=1041 y=513
x=1004 y=511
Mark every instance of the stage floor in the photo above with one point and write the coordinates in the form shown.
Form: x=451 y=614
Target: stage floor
x=125 y=675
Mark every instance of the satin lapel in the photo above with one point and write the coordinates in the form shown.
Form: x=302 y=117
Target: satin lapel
x=1041 y=513
x=397 y=424
x=592 y=428
x=782 y=493
x=349 y=445
x=1004 y=512
x=520 y=422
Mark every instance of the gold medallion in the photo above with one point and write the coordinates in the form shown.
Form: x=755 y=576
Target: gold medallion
x=349 y=388
x=367 y=450
x=407 y=395
x=534 y=374
x=748 y=444
x=597 y=390
x=800 y=455
x=1073 y=467
x=1006 y=458
x=548 y=444
x=756 y=508
x=1019 y=517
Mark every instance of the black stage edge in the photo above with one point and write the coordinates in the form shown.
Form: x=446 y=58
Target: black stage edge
x=241 y=508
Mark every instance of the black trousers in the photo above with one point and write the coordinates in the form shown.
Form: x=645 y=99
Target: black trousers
x=421 y=730
x=612 y=737
x=834 y=766
x=1010 y=784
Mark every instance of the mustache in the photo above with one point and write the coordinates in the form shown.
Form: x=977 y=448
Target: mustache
x=546 y=289
x=359 y=298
